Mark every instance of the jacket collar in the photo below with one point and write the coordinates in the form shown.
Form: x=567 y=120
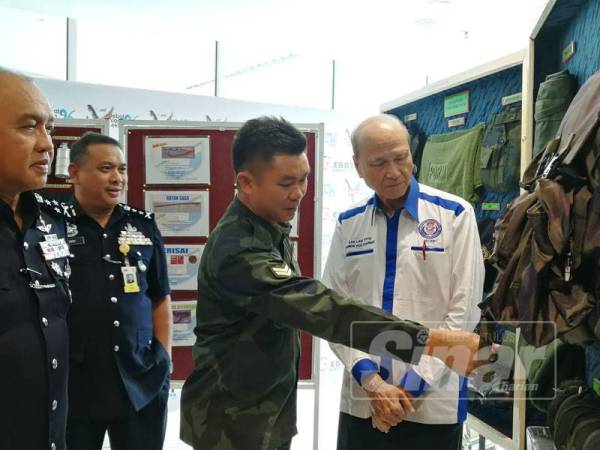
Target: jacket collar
x=277 y=230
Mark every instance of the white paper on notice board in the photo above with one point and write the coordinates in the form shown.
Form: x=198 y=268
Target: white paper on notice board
x=177 y=160
x=183 y=261
x=179 y=213
x=184 y=322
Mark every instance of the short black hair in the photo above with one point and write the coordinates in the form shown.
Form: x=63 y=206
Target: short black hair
x=263 y=138
x=80 y=148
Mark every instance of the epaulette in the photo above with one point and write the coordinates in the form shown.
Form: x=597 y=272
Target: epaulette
x=140 y=212
x=55 y=207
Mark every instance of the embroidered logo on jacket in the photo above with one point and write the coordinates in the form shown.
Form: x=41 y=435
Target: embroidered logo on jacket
x=430 y=229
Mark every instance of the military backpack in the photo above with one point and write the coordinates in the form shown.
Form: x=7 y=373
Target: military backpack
x=547 y=243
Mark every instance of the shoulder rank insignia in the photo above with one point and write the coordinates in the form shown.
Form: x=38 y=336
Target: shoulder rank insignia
x=56 y=207
x=136 y=211
x=281 y=271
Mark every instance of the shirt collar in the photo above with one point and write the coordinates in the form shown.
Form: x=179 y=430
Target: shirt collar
x=411 y=204
x=118 y=212
x=76 y=207
x=29 y=209
x=6 y=211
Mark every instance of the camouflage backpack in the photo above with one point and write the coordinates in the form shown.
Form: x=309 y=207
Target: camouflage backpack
x=547 y=243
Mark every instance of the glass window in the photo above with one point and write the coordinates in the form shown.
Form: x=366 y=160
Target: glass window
x=33 y=42
x=167 y=56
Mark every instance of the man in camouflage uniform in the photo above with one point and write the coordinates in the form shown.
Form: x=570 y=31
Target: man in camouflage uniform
x=252 y=300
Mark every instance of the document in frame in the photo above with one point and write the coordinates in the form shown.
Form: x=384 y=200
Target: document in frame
x=184 y=322
x=177 y=160
x=183 y=261
x=179 y=213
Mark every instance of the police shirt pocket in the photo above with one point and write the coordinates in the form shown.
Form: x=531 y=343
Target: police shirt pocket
x=143 y=359
x=160 y=352
x=142 y=253
x=140 y=257
x=144 y=340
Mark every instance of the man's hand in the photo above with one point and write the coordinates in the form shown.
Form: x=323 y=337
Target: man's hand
x=389 y=404
x=380 y=424
x=459 y=350
x=384 y=424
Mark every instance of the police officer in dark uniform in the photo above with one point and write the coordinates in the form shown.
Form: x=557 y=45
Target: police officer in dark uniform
x=34 y=268
x=120 y=319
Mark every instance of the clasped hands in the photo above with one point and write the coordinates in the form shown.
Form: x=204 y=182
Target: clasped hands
x=389 y=404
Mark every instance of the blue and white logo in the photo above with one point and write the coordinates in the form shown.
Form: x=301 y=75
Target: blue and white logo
x=430 y=229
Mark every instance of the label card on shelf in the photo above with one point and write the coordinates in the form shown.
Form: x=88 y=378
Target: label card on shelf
x=456 y=104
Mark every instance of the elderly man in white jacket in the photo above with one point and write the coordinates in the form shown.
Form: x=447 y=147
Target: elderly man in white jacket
x=413 y=251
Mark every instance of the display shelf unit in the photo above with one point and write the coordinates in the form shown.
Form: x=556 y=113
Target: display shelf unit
x=487 y=85
x=561 y=23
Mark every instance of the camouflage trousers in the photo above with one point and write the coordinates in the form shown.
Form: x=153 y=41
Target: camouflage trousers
x=287 y=446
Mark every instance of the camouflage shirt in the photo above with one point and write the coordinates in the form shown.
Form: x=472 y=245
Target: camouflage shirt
x=252 y=300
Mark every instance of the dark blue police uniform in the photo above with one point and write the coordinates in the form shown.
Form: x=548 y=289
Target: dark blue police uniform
x=34 y=300
x=119 y=377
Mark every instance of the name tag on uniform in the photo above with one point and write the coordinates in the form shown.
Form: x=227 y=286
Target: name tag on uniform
x=130 y=281
x=76 y=240
x=54 y=248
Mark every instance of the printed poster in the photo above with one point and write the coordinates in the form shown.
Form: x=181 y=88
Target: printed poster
x=183 y=261
x=184 y=322
x=179 y=213
x=177 y=160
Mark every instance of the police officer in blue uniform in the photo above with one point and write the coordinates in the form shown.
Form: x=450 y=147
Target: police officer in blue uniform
x=120 y=319
x=34 y=268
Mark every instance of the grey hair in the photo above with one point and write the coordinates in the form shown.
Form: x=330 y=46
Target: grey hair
x=356 y=134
